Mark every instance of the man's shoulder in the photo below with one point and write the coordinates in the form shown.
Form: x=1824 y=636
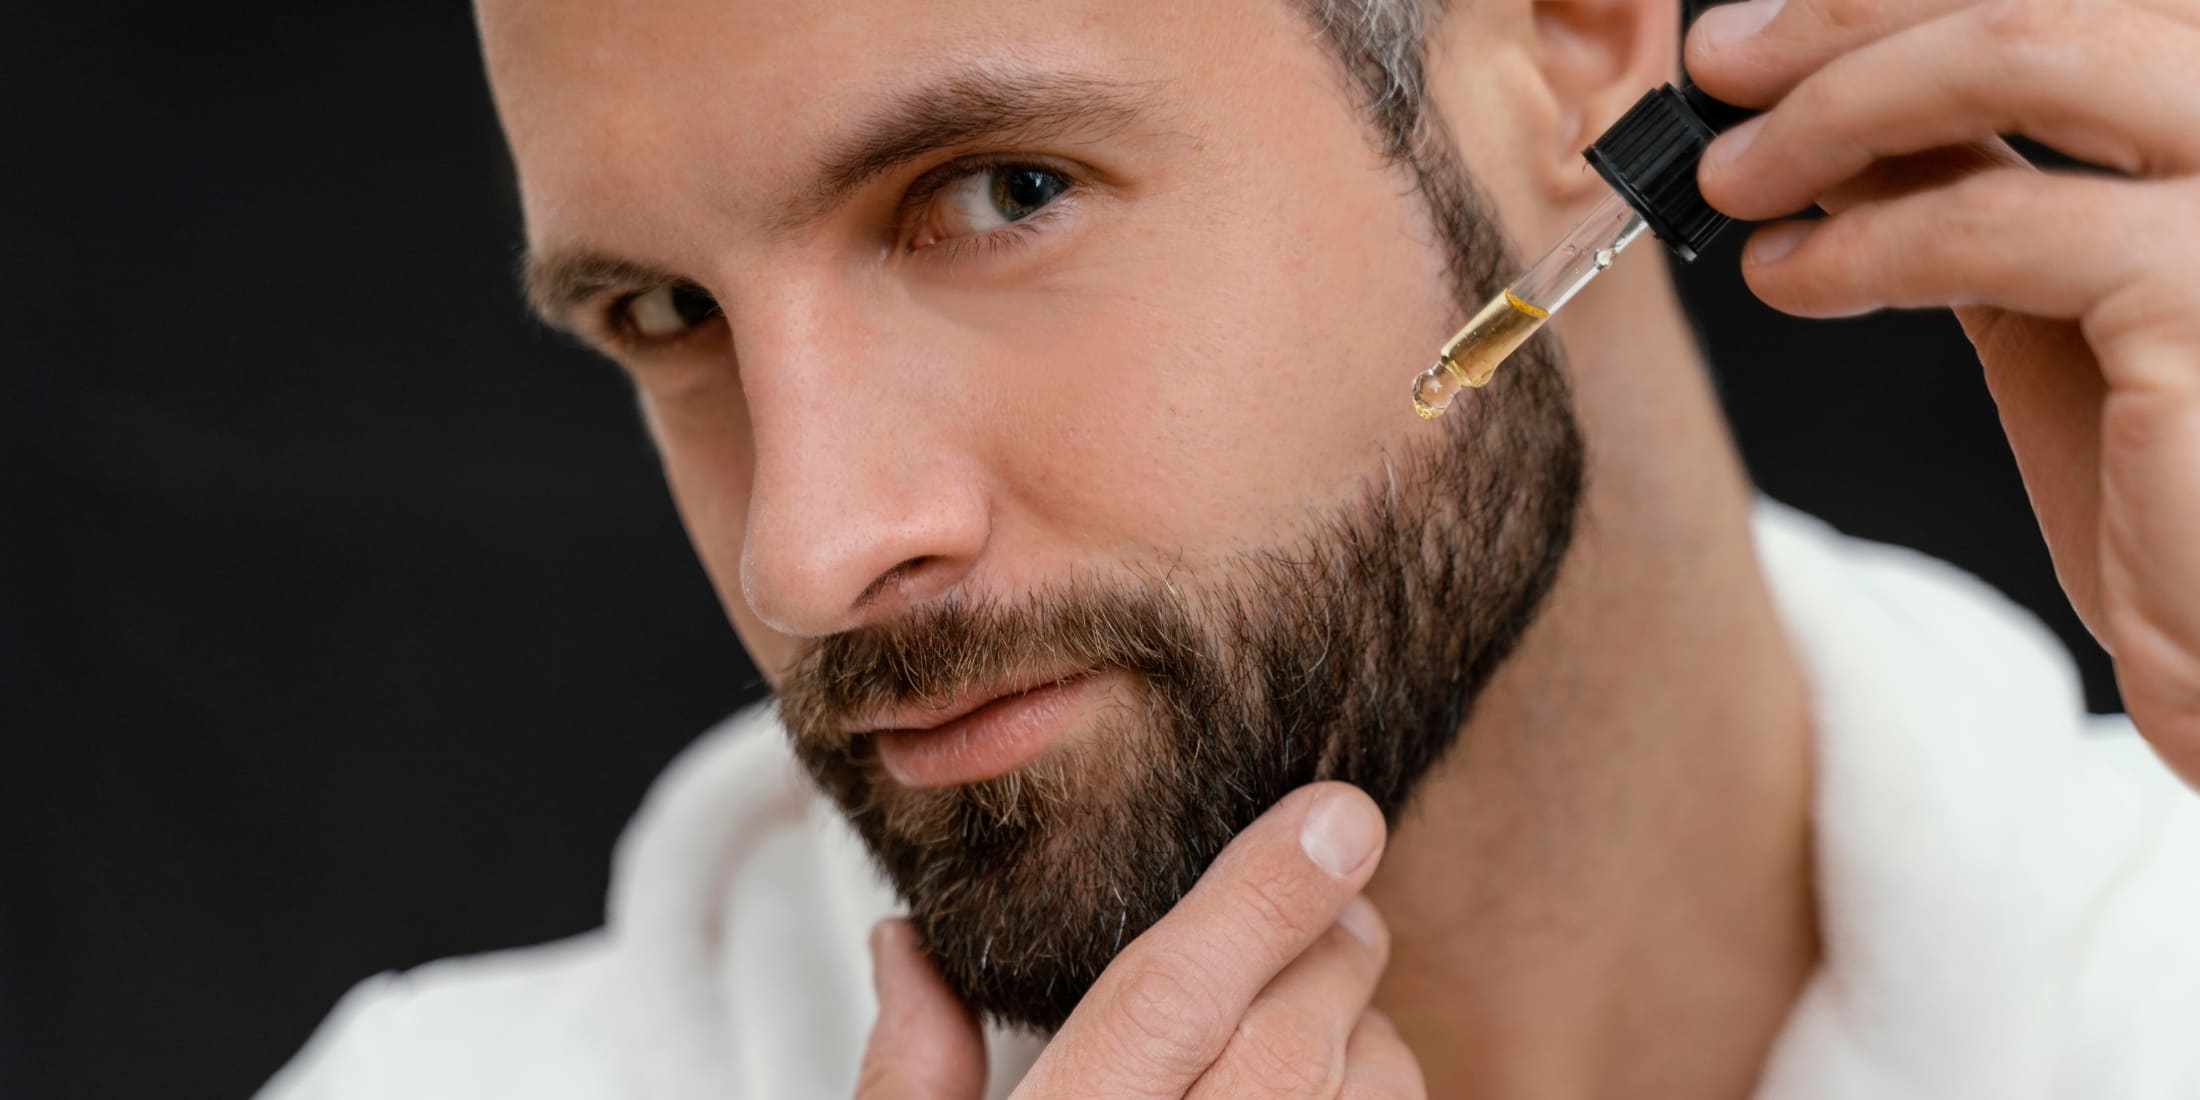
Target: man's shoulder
x=735 y=884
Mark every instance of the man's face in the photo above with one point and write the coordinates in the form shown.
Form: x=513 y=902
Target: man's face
x=995 y=347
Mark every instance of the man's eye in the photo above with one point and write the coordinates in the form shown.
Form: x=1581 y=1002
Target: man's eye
x=664 y=313
x=988 y=199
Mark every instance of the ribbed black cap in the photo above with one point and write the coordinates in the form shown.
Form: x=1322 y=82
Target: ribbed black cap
x=1649 y=156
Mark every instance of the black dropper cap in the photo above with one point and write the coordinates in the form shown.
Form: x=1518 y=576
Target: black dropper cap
x=1650 y=155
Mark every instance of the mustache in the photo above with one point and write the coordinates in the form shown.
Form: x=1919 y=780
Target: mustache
x=959 y=644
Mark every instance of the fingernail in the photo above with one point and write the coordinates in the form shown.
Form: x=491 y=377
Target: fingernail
x=1361 y=919
x=1727 y=24
x=1729 y=146
x=1341 y=831
x=1772 y=243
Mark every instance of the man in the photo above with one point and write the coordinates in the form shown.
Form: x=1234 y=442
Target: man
x=1032 y=381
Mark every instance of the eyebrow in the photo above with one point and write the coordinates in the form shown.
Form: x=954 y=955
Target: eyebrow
x=982 y=104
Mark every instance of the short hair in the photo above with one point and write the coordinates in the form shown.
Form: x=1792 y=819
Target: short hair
x=1383 y=46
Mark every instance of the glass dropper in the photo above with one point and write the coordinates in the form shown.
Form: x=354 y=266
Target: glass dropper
x=1508 y=320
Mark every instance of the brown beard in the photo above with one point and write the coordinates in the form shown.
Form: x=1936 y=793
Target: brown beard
x=1354 y=653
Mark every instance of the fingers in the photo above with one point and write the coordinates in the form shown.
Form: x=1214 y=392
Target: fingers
x=1752 y=54
x=1292 y=1040
x=2055 y=71
x=1165 y=1008
x=926 y=1045
x=1378 y=1064
x=2043 y=244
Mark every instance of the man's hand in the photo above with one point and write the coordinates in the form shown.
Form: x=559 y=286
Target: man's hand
x=1255 y=985
x=2080 y=292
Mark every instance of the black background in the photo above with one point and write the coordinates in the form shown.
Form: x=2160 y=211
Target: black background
x=344 y=618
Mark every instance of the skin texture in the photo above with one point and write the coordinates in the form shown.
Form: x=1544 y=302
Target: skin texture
x=1604 y=890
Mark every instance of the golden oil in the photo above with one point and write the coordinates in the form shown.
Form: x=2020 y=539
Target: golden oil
x=1472 y=356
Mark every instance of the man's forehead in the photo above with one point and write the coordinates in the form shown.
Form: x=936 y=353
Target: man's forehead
x=793 y=69
x=717 y=98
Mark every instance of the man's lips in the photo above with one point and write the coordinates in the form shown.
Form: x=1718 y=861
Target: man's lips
x=979 y=734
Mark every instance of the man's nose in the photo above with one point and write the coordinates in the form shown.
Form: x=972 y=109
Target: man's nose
x=867 y=495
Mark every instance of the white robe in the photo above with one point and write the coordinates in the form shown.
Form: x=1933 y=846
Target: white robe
x=2010 y=897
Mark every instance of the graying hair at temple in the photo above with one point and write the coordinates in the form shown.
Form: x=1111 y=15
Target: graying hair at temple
x=1382 y=44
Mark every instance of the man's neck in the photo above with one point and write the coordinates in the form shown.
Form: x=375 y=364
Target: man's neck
x=1605 y=890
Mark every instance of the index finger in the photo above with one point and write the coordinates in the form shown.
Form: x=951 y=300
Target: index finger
x=1168 y=1004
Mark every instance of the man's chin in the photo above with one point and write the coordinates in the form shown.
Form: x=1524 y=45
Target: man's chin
x=1024 y=885
x=1021 y=920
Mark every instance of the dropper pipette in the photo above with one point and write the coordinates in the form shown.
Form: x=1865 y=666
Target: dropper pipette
x=1506 y=322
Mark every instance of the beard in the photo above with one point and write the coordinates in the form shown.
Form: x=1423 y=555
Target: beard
x=1354 y=653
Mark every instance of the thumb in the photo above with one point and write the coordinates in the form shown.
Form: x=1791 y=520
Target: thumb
x=926 y=1045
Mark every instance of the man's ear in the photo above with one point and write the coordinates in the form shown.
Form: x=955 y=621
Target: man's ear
x=1596 y=57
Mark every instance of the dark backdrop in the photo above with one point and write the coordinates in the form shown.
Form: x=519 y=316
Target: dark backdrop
x=344 y=617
